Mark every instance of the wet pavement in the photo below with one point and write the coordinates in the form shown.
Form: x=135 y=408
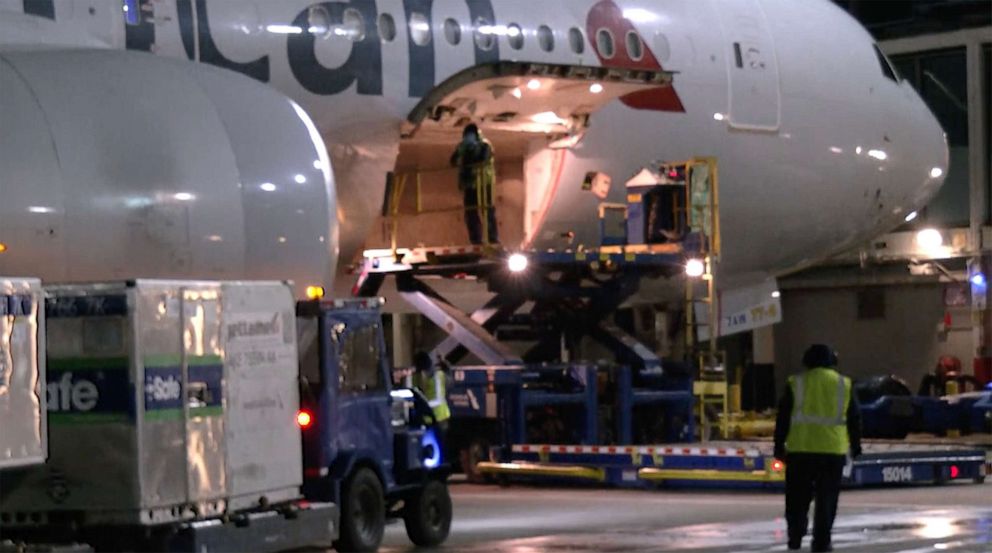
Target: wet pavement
x=954 y=518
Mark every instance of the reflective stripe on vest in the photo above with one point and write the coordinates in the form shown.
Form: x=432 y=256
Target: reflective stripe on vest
x=800 y=417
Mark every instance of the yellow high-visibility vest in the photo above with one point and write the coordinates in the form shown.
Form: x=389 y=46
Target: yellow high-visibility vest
x=435 y=387
x=821 y=397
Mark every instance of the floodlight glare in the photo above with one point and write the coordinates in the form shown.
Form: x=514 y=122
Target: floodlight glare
x=695 y=268
x=517 y=263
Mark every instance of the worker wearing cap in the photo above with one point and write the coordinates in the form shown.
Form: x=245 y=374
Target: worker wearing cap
x=476 y=176
x=818 y=425
x=434 y=384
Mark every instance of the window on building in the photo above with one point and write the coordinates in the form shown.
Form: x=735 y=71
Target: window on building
x=871 y=303
x=941 y=78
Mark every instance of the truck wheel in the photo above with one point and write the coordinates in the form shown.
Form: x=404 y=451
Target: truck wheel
x=428 y=515
x=363 y=513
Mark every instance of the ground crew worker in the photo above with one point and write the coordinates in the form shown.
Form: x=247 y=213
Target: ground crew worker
x=434 y=384
x=818 y=425
x=476 y=177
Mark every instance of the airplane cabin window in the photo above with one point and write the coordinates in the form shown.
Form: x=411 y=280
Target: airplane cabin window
x=485 y=39
x=604 y=41
x=352 y=26
x=318 y=21
x=387 y=27
x=576 y=40
x=515 y=36
x=452 y=31
x=546 y=38
x=634 y=47
x=887 y=68
x=420 y=29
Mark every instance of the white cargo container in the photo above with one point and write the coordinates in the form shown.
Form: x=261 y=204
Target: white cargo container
x=167 y=401
x=23 y=430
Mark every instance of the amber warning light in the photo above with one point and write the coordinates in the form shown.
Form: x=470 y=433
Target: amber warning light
x=303 y=419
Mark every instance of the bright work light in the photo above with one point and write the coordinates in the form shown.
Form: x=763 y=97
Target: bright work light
x=517 y=263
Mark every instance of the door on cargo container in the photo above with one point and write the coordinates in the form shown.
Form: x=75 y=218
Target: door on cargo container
x=363 y=422
x=203 y=372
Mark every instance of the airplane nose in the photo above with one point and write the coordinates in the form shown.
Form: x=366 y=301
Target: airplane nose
x=926 y=155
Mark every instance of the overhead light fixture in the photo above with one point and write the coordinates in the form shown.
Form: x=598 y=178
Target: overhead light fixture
x=517 y=263
x=936 y=173
x=718 y=116
x=268 y=187
x=836 y=150
x=300 y=179
x=912 y=216
x=517 y=93
x=317 y=165
x=929 y=239
x=695 y=268
x=533 y=84
x=183 y=196
x=776 y=294
x=978 y=280
x=878 y=154
x=858 y=150
x=41 y=209
x=595 y=88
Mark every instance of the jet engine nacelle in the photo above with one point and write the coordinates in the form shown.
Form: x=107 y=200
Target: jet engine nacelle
x=117 y=165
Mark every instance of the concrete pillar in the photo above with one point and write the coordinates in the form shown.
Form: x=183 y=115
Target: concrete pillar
x=763 y=345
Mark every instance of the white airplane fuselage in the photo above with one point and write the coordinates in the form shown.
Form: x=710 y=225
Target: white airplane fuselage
x=818 y=148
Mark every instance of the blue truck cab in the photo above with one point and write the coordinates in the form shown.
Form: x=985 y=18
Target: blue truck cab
x=367 y=447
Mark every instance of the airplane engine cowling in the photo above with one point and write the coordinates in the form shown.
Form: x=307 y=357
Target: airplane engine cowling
x=118 y=165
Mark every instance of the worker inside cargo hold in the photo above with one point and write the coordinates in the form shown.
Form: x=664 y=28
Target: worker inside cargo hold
x=474 y=158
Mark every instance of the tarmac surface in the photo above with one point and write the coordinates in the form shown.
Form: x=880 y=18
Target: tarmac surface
x=521 y=519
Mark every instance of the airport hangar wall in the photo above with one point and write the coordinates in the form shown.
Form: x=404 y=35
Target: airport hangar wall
x=906 y=340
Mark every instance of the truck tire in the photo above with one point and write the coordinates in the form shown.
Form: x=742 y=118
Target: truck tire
x=363 y=513
x=427 y=515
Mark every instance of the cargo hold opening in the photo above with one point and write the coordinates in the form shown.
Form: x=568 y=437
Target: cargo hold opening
x=532 y=114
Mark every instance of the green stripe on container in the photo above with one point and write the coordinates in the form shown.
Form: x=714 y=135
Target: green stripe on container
x=87 y=418
x=177 y=414
x=173 y=360
x=87 y=363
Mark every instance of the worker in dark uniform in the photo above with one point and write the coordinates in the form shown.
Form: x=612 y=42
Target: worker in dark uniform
x=476 y=177
x=818 y=425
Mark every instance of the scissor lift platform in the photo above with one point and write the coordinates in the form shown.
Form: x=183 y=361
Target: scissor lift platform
x=747 y=464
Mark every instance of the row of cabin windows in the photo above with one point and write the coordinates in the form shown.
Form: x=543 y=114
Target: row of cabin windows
x=352 y=26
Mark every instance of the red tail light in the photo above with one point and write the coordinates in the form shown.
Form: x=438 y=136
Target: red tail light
x=777 y=465
x=955 y=471
x=304 y=419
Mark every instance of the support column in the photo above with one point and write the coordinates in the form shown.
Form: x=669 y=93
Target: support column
x=402 y=340
x=763 y=345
